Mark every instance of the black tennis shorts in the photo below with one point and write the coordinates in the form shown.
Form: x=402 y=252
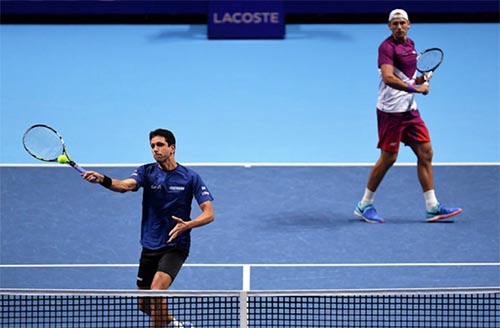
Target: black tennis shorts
x=168 y=260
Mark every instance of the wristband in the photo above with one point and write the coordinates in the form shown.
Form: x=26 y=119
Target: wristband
x=106 y=182
x=411 y=88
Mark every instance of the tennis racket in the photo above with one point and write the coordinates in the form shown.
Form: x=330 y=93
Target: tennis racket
x=429 y=60
x=46 y=144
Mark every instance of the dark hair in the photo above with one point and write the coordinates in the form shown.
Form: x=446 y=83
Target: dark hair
x=168 y=135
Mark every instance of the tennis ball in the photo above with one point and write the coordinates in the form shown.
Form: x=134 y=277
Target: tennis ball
x=62 y=159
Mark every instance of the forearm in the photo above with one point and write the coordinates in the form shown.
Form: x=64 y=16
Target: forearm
x=114 y=184
x=396 y=83
x=110 y=183
x=412 y=86
x=206 y=216
x=201 y=220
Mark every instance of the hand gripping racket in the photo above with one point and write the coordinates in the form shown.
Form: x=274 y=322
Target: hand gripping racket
x=46 y=144
x=429 y=60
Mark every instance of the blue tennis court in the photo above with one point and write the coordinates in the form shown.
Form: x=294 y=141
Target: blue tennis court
x=281 y=131
x=293 y=226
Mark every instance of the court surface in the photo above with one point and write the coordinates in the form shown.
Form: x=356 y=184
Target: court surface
x=308 y=100
x=267 y=217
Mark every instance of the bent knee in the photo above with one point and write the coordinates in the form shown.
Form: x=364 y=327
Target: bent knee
x=426 y=154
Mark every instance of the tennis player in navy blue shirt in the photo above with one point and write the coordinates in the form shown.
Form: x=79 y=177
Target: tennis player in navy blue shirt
x=168 y=192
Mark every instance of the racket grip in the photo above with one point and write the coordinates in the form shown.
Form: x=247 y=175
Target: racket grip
x=78 y=168
x=426 y=81
x=427 y=77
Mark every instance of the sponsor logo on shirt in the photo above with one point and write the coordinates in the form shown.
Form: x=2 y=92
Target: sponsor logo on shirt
x=176 y=188
x=205 y=191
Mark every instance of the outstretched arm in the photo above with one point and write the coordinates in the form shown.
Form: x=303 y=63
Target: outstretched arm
x=112 y=184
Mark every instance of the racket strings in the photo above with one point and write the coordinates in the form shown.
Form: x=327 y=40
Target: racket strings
x=43 y=143
x=428 y=61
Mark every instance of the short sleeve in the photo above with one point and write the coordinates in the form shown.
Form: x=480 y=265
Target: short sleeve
x=138 y=175
x=385 y=54
x=200 y=190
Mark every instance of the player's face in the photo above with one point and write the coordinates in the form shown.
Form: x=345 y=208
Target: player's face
x=399 y=28
x=161 y=150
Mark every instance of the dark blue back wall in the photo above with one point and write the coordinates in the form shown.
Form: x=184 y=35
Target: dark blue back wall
x=194 y=7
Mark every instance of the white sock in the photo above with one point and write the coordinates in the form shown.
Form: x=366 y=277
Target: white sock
x=430 y=199
x=367 y=197
x=175 y=323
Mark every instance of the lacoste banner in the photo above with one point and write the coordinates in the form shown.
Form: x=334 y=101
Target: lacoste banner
x=246 y=19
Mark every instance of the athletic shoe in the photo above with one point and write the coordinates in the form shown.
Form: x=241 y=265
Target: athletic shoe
x=439 y=212
x=368 y=213
x=175 y=324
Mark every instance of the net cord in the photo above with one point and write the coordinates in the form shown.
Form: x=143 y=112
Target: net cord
x=253 y=293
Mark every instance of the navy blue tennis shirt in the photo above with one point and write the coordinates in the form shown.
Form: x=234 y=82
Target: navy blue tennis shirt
x=167 y=194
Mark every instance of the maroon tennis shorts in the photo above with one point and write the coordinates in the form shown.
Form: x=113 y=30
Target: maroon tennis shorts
x=394 y=128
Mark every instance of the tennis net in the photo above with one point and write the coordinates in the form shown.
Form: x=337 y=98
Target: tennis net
x=465 y=307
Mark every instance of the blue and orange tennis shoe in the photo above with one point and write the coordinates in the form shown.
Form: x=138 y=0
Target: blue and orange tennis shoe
x=368 y=213
x=439 y=212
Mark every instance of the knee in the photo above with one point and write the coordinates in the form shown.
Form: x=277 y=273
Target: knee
x=426 y=154
x=391 y=160
x=387 y=159
x=161 y=281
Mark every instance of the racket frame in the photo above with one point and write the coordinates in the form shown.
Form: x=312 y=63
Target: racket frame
x=435 y=66
x=64 y=152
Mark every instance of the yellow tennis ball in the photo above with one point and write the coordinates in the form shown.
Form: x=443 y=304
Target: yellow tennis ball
x=62 y=159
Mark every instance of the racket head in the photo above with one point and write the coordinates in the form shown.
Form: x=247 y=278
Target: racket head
x=429 y=60
x=44 y=143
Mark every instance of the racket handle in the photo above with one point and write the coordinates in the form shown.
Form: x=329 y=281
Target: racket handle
x=426 y=77
x=77 y=167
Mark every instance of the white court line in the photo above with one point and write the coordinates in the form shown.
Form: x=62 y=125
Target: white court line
x=246 y=268
x=259 y=265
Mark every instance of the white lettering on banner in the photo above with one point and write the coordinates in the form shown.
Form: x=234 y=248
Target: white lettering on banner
x=247 y=18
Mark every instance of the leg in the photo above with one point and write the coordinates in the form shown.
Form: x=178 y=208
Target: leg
x=424 y=153
x=365 y=209
x=152 y=275
x=384 y=163
x=168 y=268
x=144 y=304
x=435 y=211
x=147 y=268
x=159 y=312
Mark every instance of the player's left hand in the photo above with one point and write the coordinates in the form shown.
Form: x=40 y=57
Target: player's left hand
x=423 y=89
x=179 y=227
